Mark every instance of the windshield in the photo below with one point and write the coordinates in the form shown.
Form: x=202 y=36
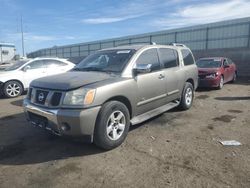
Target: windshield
x=106 y=61
x=208 y=63
x=16 y=65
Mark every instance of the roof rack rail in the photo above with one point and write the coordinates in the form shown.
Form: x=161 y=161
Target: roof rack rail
x=177 y=44
x=133 y=43
x=54 y=57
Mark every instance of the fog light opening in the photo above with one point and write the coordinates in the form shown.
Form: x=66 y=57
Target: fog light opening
x=65 y=127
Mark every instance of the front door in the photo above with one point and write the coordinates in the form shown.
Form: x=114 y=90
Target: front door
x=151 y=86
x=33 y=70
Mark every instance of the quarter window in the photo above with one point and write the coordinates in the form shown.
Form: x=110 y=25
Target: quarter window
x=150 y=57
x=187 y=57
x=54 y=63
x=169 y=57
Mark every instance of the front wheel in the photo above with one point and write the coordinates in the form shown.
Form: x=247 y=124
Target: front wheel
x=112 y=125
x=12 y=89
x=221 y=84
x=187 y=96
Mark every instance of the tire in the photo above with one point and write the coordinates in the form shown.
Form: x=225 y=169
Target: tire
x=187 y=96
x=12 y=89
x=234 y=77
x=112 y=125
x=221 y=84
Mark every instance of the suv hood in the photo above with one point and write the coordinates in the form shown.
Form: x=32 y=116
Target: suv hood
x=70 y=80
x=203 y=71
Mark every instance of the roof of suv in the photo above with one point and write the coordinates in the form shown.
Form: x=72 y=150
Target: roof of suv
x=139 y=46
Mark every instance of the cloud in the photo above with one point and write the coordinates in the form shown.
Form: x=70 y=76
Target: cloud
x=124 y=10
x=205 y=13
x=103 y=20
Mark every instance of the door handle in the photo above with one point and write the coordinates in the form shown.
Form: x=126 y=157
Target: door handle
x=161 y=76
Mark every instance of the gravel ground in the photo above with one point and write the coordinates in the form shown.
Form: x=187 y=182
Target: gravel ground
x=175 y=149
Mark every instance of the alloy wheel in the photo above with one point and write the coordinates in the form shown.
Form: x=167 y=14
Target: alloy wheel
x=115 y=125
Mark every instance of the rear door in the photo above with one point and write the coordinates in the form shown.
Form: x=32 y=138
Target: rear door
x=170 y=61
x=151 y=86
x=232 y=68
x=227 y=71
x=55 y=67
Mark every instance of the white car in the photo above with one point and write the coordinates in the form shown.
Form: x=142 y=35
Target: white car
x=17 y=78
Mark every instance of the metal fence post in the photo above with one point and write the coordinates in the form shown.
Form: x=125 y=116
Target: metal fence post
x=79 y=50
x=248 y=44
x=88 y=49
x=207 y=30
x=175 y=37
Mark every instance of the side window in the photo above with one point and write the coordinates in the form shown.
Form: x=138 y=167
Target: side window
x=169 y=57
x=36 y=64
x=187 y=57
x=149 y=57
x=54 y=63
x=225 y=62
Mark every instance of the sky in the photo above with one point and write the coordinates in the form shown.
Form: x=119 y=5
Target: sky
x=50 y=23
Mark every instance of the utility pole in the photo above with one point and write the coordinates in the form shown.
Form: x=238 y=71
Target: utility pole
x=22 y=34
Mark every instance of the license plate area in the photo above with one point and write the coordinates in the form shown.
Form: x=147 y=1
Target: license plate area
x=38 y=120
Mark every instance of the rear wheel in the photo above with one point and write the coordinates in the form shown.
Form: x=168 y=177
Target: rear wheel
x=112 y=125
x=12 y=89
x=187 y=96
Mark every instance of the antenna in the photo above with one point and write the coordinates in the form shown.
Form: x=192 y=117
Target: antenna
x=22 y=34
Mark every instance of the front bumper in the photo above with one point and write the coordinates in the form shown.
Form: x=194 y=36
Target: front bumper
x=209 y=82
x=63 y=122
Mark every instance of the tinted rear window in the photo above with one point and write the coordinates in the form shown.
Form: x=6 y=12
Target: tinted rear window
x=187 y=57
x=169 y=57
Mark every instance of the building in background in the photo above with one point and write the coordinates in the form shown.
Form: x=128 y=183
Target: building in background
x=7 y=52
x=229 y=38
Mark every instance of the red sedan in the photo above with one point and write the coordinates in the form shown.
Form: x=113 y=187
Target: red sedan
x=216 y=71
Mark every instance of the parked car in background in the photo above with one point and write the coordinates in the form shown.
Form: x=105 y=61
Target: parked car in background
x=216 y=71
x=111 y=89
x=17 y=78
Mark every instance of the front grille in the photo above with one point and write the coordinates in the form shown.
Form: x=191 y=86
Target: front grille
x=29 y=93
x=202 y=76
x=41 y=96
x=56 y=98
x=46 y=98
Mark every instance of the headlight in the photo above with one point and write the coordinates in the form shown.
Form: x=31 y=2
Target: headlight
x=79 y=97
x=213 y=75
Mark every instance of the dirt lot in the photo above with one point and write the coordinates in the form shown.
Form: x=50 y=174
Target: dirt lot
x=176 y=149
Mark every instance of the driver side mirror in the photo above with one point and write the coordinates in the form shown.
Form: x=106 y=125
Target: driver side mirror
x=142 y=68
x=26 y=68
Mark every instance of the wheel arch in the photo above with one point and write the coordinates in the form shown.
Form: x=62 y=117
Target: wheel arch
x=123 y=100
x=191 y=81
x=15 y=80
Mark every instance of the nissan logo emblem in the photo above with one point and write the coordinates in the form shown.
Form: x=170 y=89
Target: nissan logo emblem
x=41 y=97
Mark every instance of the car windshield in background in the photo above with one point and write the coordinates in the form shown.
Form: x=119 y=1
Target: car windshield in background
x=208 y=63
x=16 y=65
x=106 y=61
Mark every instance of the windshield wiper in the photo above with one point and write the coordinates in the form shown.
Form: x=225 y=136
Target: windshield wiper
x=88 y=69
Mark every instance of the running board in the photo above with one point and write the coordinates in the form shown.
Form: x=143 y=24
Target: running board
x=143 y=117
